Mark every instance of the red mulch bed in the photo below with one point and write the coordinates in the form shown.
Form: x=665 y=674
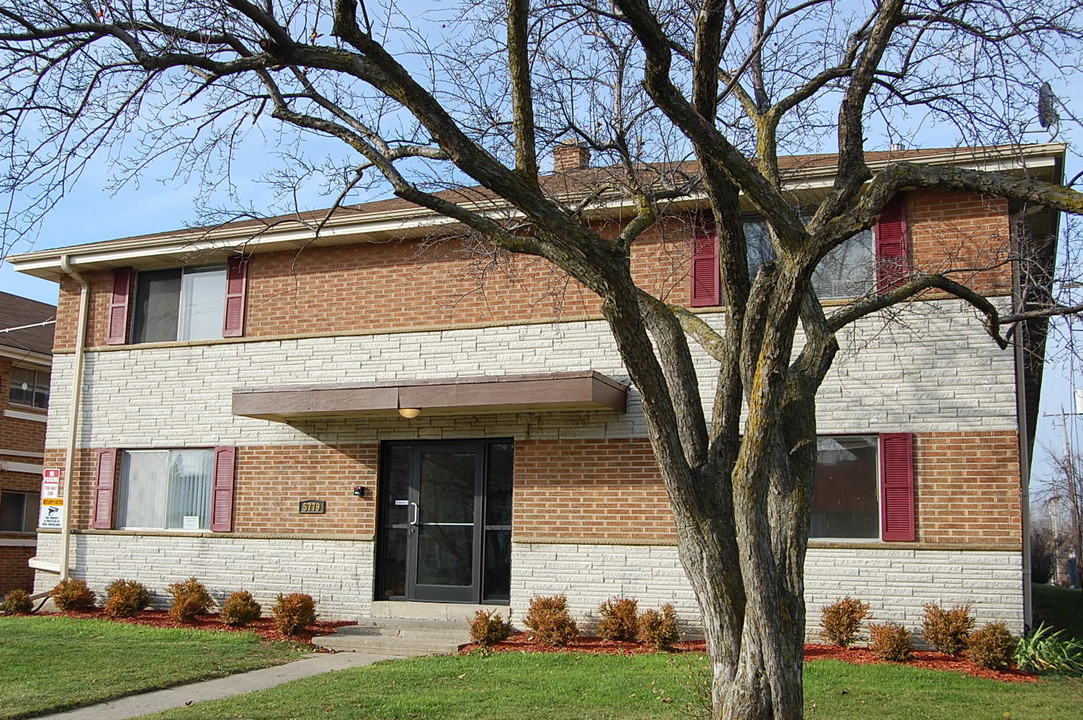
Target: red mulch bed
x=264 y=627
x=520 y=642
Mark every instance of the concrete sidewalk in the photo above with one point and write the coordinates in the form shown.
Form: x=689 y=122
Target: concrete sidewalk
x=137 y=705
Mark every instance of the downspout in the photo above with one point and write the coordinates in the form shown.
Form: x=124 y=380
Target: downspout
x=73 y=413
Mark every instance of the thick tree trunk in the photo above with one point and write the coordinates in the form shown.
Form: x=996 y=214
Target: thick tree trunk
x=741 y=507
x=754 y=623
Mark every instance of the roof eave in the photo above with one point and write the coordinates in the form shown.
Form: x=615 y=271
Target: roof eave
x=210 y=245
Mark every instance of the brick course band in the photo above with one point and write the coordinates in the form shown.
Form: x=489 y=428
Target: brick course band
x=592 y=490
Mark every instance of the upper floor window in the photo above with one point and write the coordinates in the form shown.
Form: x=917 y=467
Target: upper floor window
x=29 y=387
x=19 y=511
x=867 y=262
x=848 y=271
x=180 y=304
x=192 y=303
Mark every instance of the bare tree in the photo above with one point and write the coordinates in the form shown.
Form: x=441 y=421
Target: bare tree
x=1062 y=498
x=732 y=85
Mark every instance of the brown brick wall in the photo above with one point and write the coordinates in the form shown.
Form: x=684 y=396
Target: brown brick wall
x=399 y=285
x=67 y=310
x=962 y=232
x=24 y=436
x=272 y=480
x=14 y=572
x=20 y=482
x=968 y=490
x=17 y=434
x=590 y=490
x=968 y=487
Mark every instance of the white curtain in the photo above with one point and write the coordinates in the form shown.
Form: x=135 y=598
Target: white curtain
x=159 y=488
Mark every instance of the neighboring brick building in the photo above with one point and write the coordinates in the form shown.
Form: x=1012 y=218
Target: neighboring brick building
x=26 y=346
x=224 y=391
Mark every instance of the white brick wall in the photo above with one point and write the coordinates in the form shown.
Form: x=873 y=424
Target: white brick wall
x=895 y=583
x=933 y=370
x=338 y=574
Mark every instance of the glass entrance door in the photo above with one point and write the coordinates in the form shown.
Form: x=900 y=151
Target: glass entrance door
x=445 y=521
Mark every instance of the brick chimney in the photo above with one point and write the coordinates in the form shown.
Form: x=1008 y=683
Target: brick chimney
x=569 y=156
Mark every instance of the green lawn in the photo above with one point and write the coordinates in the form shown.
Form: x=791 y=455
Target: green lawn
x=51 y=663
x=1059 y=607
x=574 y=687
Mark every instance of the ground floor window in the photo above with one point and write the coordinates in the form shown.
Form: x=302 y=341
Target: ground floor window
x=165 y=489
x=19 y=511
x=846 y=502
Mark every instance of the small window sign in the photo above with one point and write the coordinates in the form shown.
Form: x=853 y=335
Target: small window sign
x=312 y=507
x=190 y=522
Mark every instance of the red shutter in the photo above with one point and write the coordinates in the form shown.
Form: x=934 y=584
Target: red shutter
x=102 y=518
x=892 y=245
x=225 y=460
x=897 y=486
x=236 y=284
x=705 y=282
x=117 y=332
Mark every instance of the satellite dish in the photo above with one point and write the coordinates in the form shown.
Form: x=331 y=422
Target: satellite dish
x=1047 y=106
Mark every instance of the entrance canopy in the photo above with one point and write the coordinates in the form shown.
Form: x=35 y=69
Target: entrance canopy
x=585 y=390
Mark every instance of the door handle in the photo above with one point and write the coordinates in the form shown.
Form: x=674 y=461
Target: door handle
x=416 y=514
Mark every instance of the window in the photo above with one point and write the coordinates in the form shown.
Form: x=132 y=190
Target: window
x=165 y=489
x=180 y=304
x=845 y=502
x=849 y=270
x=866 y=262
x=29 y=387
x=19 y=511
x=865 y=488
x=196 y=303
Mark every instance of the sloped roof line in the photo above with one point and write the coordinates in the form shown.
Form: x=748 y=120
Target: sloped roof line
x=395 y=213
x=29 y=324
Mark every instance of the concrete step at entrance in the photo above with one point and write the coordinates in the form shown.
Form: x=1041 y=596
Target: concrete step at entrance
x=397 y=637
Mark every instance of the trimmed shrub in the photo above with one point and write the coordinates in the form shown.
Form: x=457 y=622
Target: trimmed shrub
x=842 y=620
x=125 y=598
x=619 y=619
x=292 y=612
x=947 y=630
x=891 y=641
x=72 y=594
x=1044 y=651
x=190 y=598
x=992 y=646
x=16 y=602
x=489 y=628
x=549 y=621
x=659 y=629
x=240 y=608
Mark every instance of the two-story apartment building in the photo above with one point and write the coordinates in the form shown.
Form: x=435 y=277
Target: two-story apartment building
x=26 y=346
x=380 y=417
